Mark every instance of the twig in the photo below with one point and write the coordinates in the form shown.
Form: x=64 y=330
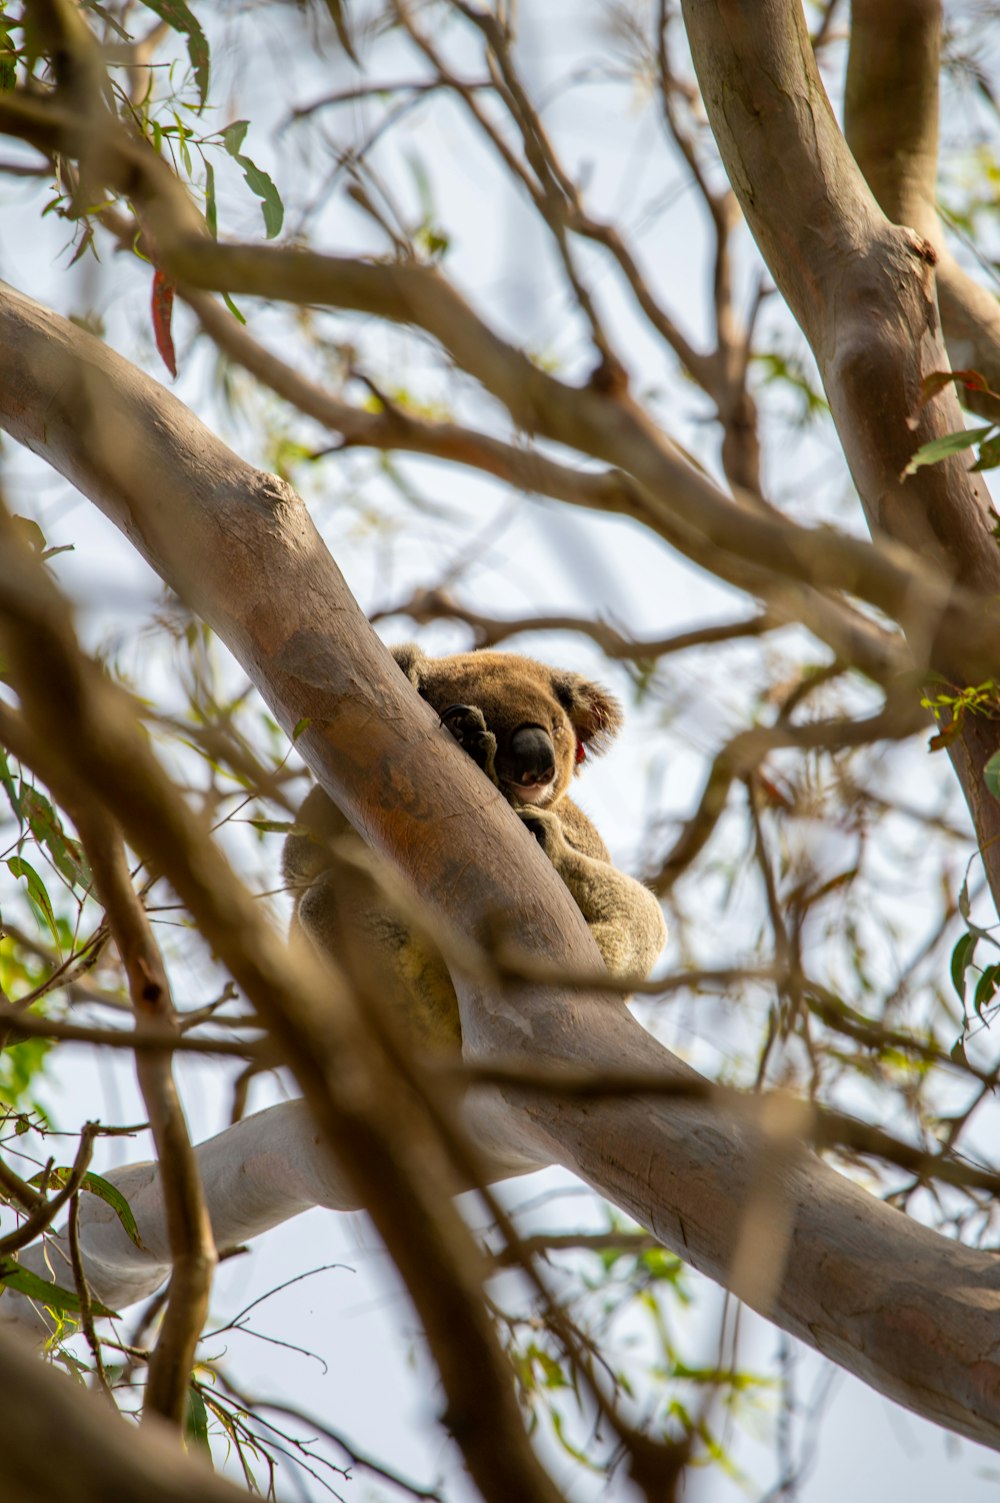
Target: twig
x=43 y=1215
x=190 y=1233
x=83 y=1293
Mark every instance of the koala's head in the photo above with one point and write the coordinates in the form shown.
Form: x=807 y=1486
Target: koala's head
x=545 y=721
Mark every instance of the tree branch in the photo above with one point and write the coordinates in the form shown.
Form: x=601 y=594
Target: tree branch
x=191 y=1245
x=241 y=547
x=891 y=123
x=863 y=293
x=334 y=1041
x=701 y=519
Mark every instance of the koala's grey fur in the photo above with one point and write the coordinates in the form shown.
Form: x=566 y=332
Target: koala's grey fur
x=528 y=727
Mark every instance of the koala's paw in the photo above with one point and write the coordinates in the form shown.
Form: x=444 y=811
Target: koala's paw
x=547 y=830
x=468 y=726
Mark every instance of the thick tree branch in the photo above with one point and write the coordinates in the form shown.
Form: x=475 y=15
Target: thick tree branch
x=48 y=1419
x=863 y=292
x=343 y=1064
x=701 y=518
x=855 y=638
x=896 y=1298
x=891 y=122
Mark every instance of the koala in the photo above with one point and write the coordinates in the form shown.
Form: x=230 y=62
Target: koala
x=529 y=728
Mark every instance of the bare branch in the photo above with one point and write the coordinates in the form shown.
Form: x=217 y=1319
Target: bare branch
x=900 y=717
x=188 y=1223
x=83 y=1294
x=424 y=606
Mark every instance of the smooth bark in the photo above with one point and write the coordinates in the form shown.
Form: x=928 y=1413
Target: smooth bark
x=891 y=123
x=863 y=291
x=894 y=1302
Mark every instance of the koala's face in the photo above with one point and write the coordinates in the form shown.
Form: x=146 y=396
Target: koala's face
x=544 y=720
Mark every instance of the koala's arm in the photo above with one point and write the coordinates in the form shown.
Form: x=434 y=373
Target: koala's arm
x=623 y=916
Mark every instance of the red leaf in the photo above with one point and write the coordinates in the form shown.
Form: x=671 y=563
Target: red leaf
x=938 y=380
x=163 y=307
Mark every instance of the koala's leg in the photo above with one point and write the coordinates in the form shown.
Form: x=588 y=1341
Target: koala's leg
x=341 y=910
x=623 y=916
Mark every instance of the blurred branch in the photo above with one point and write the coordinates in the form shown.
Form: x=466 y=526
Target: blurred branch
x=141 y=1039
x=85 y=730
x=190 y=1230
x=424 y=606
x=900 y=716
x=541 y=1243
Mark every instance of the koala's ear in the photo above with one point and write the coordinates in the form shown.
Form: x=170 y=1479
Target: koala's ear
x=411 y=660
x=596 y=714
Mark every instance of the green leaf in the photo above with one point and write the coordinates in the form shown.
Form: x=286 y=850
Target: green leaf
x=200 y=61
x=233 y=136
x=8 y=65
x=105 y=1191
x=9 y=787
x=989 y=454
x=938 y=380
x=991 y=775
x=47 y=829
x=257 y=180
x=52 y=1296
x=951 y=443
x=275 y=826
x=961 y=959
x=986 y=987
x=233 y=308
x=196 y=1422
x=18 y=867
x=211 y=209
x=180 y=18
x=301 y=725
x=271 y=206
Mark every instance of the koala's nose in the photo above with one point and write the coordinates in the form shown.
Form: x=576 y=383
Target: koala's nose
x=533 y=756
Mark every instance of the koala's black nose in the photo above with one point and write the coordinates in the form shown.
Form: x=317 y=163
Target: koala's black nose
x=532 y=755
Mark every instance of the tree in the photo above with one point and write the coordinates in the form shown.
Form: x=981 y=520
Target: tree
x=904 y=629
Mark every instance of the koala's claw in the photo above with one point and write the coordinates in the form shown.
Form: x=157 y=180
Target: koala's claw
x=536 y=827
x=468 y=726
x=547 y=829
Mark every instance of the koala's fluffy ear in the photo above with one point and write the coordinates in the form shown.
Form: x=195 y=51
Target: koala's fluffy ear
x=411 y=660
x=596 y=714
